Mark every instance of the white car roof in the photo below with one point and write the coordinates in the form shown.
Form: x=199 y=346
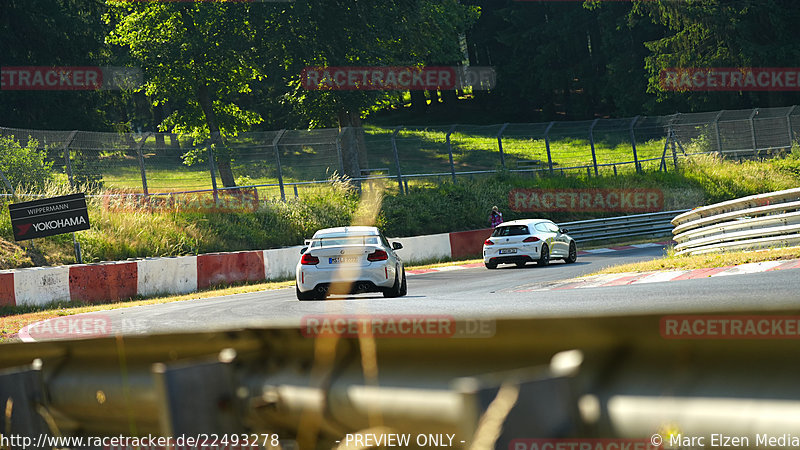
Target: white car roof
x=346 y=231
x=524 y=222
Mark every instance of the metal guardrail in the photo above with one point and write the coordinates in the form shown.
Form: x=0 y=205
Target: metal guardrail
x=557 y=377
x=748 y=223
x=643 y=225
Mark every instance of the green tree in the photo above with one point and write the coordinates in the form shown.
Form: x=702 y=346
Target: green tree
x=717 y=33
x=24 y=166
x=202 y=56
x=348 y=33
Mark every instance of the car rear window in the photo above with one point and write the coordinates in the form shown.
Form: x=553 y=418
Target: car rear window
x=511 y=230
x=349 y=240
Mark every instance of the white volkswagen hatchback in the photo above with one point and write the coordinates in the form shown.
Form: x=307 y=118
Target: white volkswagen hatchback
x=349 y=260
x=522 y=241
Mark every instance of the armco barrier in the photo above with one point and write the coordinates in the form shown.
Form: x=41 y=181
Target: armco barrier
x=748 y=223
x=186 y=274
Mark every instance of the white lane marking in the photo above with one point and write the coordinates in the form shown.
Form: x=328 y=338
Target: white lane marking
x=659 y=277
x=648 y=245
x=749 y=268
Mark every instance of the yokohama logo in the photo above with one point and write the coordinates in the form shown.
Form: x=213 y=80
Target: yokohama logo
x=60 y=223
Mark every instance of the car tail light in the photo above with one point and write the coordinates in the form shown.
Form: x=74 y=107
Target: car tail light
x=488 y=242
x=378 y=255
x=309 y=260
x=531 y=239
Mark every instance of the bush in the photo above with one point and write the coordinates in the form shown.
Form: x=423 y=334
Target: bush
x=24 y=166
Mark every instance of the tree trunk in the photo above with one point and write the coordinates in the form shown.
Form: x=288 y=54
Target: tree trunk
x=158 y=117
x=449 y=99
x=221 y=152
x=418 y=103
x=351 y=141
x=174 y=141
x=433 y=94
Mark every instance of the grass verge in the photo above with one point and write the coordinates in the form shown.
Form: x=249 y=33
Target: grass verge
x=674 y=262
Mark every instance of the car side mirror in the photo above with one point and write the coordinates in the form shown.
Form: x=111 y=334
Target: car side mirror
x=303 y=250
x=563 y=231
x=396 y=246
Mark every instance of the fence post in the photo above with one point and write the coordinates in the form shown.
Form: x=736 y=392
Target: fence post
x=716 y=128
x=674 y=155
x=547 y=146
x=338 y=152
x=397 y=158
x=500 y=145
x=789 y=125
x=450 y=152
x=633 y=145
x=140 y=156
x=67 y=161
x=7 y=183
x=663 y=165
x=213 y=169
x=753 y=129
x=591 y=141
x=278 y=161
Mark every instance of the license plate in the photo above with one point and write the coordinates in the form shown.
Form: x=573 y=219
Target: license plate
x=343 y=259
x=505 y=251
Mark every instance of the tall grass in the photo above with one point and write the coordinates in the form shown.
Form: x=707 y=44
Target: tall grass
x=117 y=234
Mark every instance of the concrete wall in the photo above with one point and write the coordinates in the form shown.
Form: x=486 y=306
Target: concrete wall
x=90 y=283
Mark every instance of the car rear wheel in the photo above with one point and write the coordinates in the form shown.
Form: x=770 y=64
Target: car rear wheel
x=544 y=256
x=397 y=289
x=490 y=265
x=573 y=253
x=404 y=286
x=310 y=295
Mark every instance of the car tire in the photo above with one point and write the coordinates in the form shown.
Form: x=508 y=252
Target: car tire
x=544 y=256
x=490 y=265
x=404 y=285
x=395 y=290
x=302 y=296
x=573 y=253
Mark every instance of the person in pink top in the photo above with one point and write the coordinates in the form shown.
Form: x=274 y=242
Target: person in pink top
x=496 y=218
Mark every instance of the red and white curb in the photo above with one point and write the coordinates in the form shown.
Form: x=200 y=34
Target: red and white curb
x=622 y=279
x=444 y=268
x=624 y=247
x=582 y=252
